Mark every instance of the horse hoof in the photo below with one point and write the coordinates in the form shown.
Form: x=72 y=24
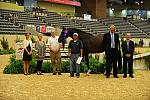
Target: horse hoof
x=88 y=72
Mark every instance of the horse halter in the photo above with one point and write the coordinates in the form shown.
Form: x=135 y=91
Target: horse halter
x=64 y=37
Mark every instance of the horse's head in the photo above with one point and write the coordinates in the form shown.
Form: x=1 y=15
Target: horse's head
x=62 y=38
x=65 y=34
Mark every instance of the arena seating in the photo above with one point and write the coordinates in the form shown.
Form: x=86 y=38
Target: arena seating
x=137 y=28
x=124 y=26
x=56 y=19
x=143 y=25
x=95 y=26
x=9 y=28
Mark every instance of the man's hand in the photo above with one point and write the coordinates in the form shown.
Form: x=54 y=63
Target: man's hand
x=69 y=54
x=128 y=55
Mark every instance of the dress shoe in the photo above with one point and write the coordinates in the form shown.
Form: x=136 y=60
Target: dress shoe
x=71 y=75
x=54 y=73
x=27 y=74
x=116 y=77
x=131 y=76
x=39 y=74
x=125 y=76
x=59 y=74
x=107 y=77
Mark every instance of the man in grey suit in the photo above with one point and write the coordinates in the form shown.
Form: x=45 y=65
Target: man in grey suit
x=128 y=51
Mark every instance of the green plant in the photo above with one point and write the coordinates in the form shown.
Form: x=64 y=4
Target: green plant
x=47 y=67
x=9 y=51
x=65 y=66
x=4 y=43
x=16 y=66
x=96 y=66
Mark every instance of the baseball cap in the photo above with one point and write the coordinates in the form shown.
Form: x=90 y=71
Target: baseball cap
x=75 y=34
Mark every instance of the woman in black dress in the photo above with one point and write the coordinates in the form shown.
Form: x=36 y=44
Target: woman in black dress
x=27 y=43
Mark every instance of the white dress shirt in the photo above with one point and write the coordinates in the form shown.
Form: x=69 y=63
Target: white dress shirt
x=53 y=42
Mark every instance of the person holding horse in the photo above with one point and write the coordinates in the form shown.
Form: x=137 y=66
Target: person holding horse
x=111 y=44
x=55 y=54
x=74 y=52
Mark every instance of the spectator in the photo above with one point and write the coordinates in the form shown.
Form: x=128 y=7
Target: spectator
x=27 y=43
x=128 y=51
x=41 y=51
x=55 y=54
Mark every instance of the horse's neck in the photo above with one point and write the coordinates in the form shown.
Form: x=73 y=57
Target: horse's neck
x=85 y=36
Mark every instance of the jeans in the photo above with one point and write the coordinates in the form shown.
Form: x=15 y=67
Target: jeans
x=73 y=60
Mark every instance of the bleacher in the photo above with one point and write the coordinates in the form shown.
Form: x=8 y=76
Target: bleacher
x=143 y=25
x=7 y=27
x=137 y=28
x=124 y=26
x=56 y=19
x=94 y=26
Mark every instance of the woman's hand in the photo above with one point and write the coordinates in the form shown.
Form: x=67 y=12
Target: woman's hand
x=30 y=53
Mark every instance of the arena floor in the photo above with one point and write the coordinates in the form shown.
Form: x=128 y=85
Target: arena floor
x=93 y=87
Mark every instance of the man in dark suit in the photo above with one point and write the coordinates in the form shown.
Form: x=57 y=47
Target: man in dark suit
x=128 y=50
x=111 y=44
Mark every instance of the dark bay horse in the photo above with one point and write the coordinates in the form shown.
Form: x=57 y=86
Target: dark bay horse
x=91 y=44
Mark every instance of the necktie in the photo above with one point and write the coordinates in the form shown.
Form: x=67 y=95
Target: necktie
x=112 y=41
x=128 y=45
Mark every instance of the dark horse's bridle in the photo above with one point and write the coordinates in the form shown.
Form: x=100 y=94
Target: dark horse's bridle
x=65 y=32
x=64 y=37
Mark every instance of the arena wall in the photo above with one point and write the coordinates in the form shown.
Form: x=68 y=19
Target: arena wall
x=11 y=6
x=59 y=8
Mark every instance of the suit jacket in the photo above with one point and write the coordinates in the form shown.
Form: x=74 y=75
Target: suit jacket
x=125 y=50
x=107 y=41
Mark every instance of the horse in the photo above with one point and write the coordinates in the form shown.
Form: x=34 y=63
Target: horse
x=91 y=43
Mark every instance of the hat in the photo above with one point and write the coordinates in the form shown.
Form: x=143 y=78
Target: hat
x=75 y=34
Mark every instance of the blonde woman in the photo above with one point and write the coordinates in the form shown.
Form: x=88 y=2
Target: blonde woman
x=27 y=43
x=41 y=51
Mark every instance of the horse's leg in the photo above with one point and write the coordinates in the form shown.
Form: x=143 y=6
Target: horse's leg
x=87 y=63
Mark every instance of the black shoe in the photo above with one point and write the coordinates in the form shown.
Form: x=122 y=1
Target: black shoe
x=78 y=76
x=107 y=77
x=54 y=73
x=59 y=74
x=39 y=74
x=116 y=76
x=27 y=74
x=131 y=76
x=71 y=75
x=125 y=76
